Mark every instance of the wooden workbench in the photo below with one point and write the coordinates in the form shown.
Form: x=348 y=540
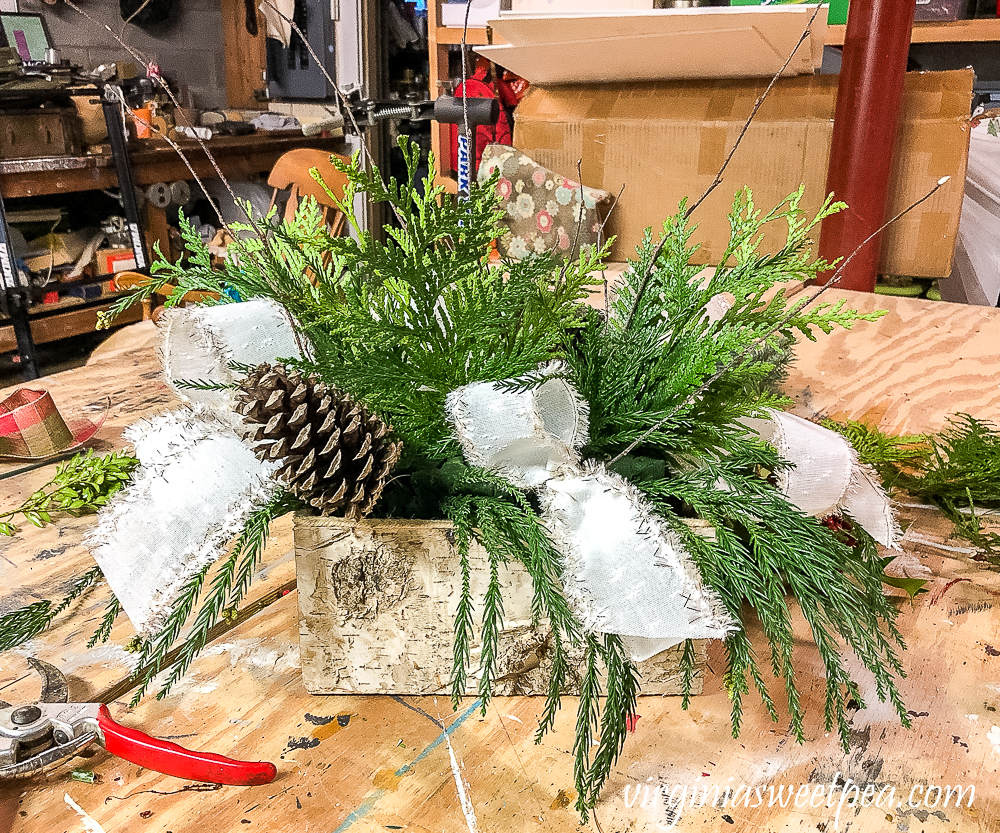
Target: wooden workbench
x=368 y=764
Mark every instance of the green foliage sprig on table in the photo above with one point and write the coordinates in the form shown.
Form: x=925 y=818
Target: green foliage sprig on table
x=398 y=324
x=957 y=469
x=888 y=454
x=81 y=486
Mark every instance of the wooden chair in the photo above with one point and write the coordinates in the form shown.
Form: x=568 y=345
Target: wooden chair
x=292 y=170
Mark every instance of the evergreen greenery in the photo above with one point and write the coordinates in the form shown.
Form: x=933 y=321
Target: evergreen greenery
x=957 y=469
x=886 y=453
x=81 y=486
x=669 y=384
x=228 y=587
x=20 y=625
x=399 y=324
x=961 y=474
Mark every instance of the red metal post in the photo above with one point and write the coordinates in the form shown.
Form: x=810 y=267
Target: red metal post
x=864 y=133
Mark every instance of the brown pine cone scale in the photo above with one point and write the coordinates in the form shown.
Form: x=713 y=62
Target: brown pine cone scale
x=334 y=453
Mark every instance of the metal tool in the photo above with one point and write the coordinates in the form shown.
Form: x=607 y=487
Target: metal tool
x=467 y=113
x=36 y=735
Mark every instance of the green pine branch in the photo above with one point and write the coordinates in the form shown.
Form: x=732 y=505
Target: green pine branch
x=764 y=551
x=229 y=585
x=20 y=625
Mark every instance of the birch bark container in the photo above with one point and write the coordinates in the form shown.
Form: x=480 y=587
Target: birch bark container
x=377 y=605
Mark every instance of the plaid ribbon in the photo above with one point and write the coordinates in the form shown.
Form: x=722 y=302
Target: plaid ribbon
x=32 y=427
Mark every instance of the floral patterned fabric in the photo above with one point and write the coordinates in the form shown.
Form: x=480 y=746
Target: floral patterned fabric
x=542 y=208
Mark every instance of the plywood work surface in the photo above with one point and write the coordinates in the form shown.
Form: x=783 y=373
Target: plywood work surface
x=376 y=763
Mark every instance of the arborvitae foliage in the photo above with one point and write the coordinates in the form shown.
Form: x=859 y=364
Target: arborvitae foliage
x=957 y=469
x=399 y=324
x=961 y=474
x=889 y=455
x=668 y=384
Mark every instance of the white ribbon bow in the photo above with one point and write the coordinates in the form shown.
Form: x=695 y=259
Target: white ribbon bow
x=198 y=481
x=624 y=572
x=826 y=477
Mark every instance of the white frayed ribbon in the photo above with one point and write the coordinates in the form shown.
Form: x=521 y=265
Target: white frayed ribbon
x=825 y=477
x=202 y=343
x=196 y=486
x=624 y=571
x=198 y=482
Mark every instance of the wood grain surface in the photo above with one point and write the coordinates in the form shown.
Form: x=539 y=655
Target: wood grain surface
x=376 y=763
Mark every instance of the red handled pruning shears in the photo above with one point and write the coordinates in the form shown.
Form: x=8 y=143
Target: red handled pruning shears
x=35 y=735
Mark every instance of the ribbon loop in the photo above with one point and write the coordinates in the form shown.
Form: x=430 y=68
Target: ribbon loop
x=623 y=571
x=525 y=435
x=198 y=481
x=826 y=477
x=201 y=343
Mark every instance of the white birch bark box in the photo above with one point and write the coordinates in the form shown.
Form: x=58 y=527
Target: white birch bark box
x=377 y=605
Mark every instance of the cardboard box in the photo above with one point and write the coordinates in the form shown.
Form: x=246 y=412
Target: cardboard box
x=665 y=43
x=838 y=8
x=480 y=13
x=925 y=10
x=667 y=140
x=111 y=261
x=569 y=7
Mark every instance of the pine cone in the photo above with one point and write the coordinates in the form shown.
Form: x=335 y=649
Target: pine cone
x=335 y=454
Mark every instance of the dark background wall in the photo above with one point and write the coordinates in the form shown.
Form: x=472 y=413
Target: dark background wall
x=188 y=47
x=984 y=58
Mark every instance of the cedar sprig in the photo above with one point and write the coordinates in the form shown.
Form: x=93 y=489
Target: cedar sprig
x=229 y=585
x=964 y=460
x=18 y=626
x=764 y=549
x=888 y=454
x=153 y=650
x=459 y=512
x=80 y=486
x=202 y=384
x=510 y=529
x=228 y=588
x=103 y=633
x=961 y=475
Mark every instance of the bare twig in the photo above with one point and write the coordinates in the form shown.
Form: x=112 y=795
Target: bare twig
x=614 y=205
x=788 y=316
x=600 y=241
x=367 y=158
x=132 y=17
x=579 y=223
x=725 y=164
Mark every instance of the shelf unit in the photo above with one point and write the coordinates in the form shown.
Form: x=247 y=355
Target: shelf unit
x=440 y=38
x=51 y=322
x=958 y=31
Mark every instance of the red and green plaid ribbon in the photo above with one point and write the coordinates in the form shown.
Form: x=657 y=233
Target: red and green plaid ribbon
x=31 y=426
